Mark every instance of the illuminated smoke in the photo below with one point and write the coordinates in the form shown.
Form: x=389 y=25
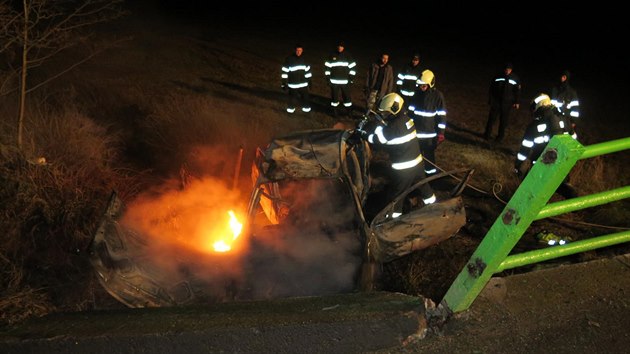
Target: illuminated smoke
x=317 y=250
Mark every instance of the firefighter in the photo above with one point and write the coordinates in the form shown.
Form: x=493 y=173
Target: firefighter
x=565 y=98
x=340 y=72
x=296 y=79
x=398 y=137
x=406 y=82
x=546 y=123
x=429 y=116
x=504 y=96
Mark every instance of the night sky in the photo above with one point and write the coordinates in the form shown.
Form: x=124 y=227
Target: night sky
x=582 y=36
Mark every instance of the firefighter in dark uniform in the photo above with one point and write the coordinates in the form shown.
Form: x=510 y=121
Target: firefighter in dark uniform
x=398 y=137
x=296 y=79
x=565 y=99
x=340 y=72
x=504 y=96
x=406 y=81
x=547 y=122
x=429 y=116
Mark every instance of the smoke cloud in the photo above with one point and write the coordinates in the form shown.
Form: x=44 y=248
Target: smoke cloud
x=316 y=250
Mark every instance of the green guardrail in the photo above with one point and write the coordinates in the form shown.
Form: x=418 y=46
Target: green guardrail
x=529 y=203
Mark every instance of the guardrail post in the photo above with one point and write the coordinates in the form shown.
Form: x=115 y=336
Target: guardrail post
x=551 y=168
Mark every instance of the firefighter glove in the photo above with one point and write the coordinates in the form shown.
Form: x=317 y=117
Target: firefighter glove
x=440 y=138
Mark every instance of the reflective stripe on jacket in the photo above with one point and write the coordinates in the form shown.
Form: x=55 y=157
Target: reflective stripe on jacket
x=296 y=73
x=340 y=68
x=399 y=139
x=429 y=113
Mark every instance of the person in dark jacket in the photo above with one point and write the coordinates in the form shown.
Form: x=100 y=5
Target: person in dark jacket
x=398 y=136
x=504 y=96
x=407 y=78
x=406 y=81
x=546 y=123
x=565 y=98
x=380 y=81
x=296 y=79
x=429 y=115
x=340 y=72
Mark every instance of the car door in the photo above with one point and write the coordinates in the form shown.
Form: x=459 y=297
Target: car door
x=418 y=228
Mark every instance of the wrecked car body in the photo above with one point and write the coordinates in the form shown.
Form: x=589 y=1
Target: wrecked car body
x=327 y=154
x=306 y=230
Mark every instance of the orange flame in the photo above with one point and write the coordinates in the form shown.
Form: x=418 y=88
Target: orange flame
x=235 y=227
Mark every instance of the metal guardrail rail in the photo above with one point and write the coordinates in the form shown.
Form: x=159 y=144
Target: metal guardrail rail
x=529 y=203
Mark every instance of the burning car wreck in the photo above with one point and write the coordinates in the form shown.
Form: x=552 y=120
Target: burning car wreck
x=307 y=232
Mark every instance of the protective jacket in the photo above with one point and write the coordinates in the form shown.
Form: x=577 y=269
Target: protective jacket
x=565 y=98
x=406 y=80
x=296 y=73
x=429 y=109
x=340 y=68
x=505 y=89
x=399 y=138
x=547 y=123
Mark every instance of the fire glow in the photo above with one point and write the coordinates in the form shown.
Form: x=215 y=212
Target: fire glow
x=234 y=227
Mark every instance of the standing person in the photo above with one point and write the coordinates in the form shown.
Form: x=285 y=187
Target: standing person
x=340 y=72
x=546 y=123
x=565 y=98
x=380 y=81
x=296 y=79
x=429 y=116
x=505 y=91
x=398 y=136
x=406 y=82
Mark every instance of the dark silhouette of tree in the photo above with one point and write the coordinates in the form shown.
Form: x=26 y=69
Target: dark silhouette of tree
x=34 y=31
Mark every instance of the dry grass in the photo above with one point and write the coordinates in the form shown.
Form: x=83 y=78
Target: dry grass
x=23 y=304
x=429 y=272
x=601 y=173
x=53 y=193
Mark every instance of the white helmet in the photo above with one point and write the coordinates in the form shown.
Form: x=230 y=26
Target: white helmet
x=540 y=101
x=392 y=103
x=427 y=78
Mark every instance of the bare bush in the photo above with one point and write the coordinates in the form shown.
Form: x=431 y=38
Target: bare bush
x=601 y=174
x=39 y=30
x=51 y=205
